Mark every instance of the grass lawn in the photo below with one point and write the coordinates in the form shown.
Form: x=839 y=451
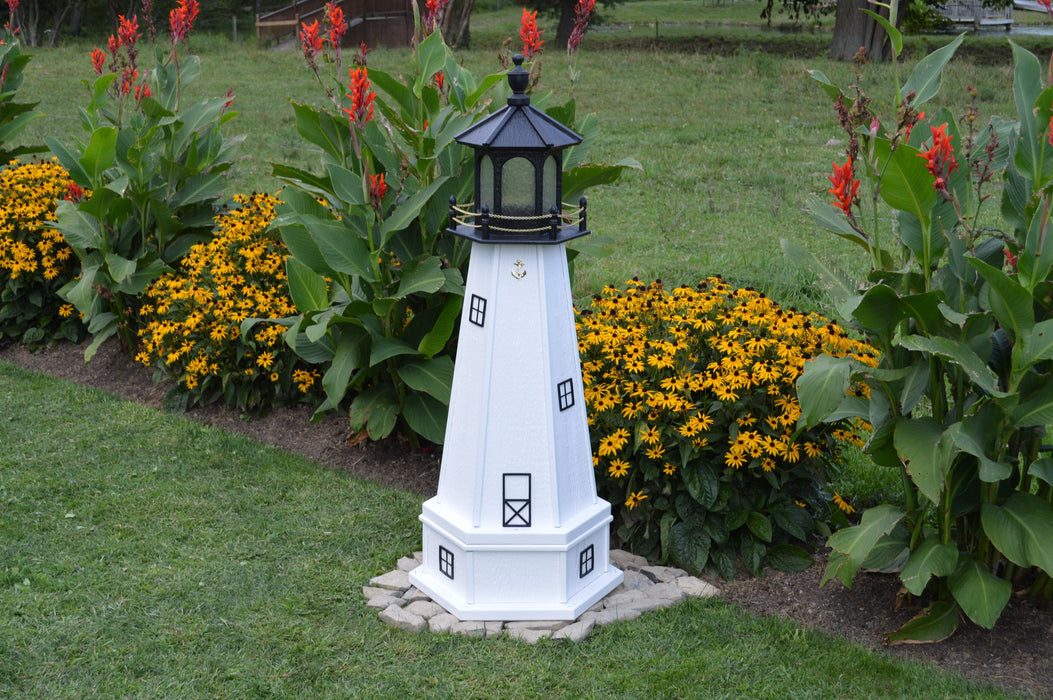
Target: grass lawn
x=144 y=555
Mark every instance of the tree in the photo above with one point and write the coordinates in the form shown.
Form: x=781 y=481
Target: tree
x=564 y=9
x=855 y=30
x=455 y=23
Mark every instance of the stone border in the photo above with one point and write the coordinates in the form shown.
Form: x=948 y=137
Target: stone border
x=646 y=587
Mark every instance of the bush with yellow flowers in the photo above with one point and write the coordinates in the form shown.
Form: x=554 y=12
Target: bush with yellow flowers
x=35 y=260
x=693 y=415
x=191 y=320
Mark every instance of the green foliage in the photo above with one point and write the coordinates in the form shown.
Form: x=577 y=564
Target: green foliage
x=692 y=408
x=35 y=261
x=14 y=116
x=962 y=315
x=371 y=225
x=154 y=168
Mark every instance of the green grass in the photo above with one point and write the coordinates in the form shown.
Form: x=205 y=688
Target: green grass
x=144 y=555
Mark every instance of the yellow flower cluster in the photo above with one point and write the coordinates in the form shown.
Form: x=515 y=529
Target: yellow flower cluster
x=28 y=193
x=700 y=372
x=192 y=319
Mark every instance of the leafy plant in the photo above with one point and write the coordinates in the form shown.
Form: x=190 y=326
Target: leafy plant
x=35 y=261
x=154 y=168
x=191 y=320
x=692 y=408
x=14 y=116
x=370 y=225
x=960 y=311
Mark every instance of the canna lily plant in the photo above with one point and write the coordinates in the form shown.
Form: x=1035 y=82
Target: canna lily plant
x=154 y=168
x=377 y=285
x=959 y=302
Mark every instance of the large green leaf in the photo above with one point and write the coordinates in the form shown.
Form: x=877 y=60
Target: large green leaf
x=435 y=339
x=822 y=386
x=934 y=624
x=346 y=184
x=342 y=249
x=829 y=217
x=405 y=212
x=930 y=559
x=80 y=229
x=759 y=525
x=376 y=410
x=386 y=348
x=907 y=186
x=854 y=543
x=1027 y=86
x=426 y=416
x=1022 y=530
x=421 y=277
x=434 y=376
x=971 y=437
x=99 y=154
x=308 y=289
x=926 y=456
x=1037 y=409
x=346 y=359
x=788 y=557
x=981 y=594
x=689 y=547
x=895 y=37
x=924 y=80
x=702 y=483
x=961 y=355
x=1011 y=304
x=577 y=180
x=322 y=129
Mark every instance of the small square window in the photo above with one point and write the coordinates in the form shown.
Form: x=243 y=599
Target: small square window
x=566 y=394
x=516 y=500
x=477 y=310
x=445 y=562
x=586 y=560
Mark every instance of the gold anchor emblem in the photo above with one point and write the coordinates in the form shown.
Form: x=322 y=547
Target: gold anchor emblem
x=519 y=270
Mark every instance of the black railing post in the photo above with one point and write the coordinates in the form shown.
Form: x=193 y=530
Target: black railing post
x=553 y=230
x=484 y=221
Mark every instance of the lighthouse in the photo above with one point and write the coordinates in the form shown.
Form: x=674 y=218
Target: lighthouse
x=516 y=530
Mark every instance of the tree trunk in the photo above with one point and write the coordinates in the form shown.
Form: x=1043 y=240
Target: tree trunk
x=854 y=30
x=566 y=24
x=455 y=23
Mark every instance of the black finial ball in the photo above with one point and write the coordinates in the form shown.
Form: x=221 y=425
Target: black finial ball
x=518 y=79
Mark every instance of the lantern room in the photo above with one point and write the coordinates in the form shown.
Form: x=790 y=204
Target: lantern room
x=518 y=174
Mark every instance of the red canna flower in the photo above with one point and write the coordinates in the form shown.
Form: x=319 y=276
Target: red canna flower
x=361 y=97
x=98 y=60
x=530 y=34
x=377 y=189
x=433 y=15
x=845 y=186
x=74 y=192
x=334 y=17
x=440 y=80
x=113 y=45
x=230 y=99
x=142 y=91
x=312 y=42
x=12 y=5
x=128 y=31
x=940 y=158
x=1010 y=258
x=582 y=13
x=181 y=19
x=128 y=79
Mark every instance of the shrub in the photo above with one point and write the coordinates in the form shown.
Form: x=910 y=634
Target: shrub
x=34 y=259
x=190 y=321
x=693 y=414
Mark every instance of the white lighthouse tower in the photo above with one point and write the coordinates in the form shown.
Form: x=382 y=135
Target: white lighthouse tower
x=516 y=530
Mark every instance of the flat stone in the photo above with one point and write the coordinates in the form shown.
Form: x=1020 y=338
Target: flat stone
x=402 y=620
x=697 y=588
x=371 y=592
x=392 y=580
x=666 y=591
x=494 y=628
x=443 y=622
x=418 y=557
x=648 y=604
x=550 y=625
x=576 y=631
x=626 y=561
x=527 y=635
x=662 y=574
x=414 y=594
x=408 y=564
x=605 y=617
x=633 y=581
x=470 y=628
x=425 y=608
x=380 y=602
x=624 y=598
x=624 y=613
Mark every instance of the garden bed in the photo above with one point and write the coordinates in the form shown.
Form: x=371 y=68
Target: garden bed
x=1014 y=655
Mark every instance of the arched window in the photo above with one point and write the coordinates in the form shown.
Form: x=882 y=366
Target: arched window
x=517 y=188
